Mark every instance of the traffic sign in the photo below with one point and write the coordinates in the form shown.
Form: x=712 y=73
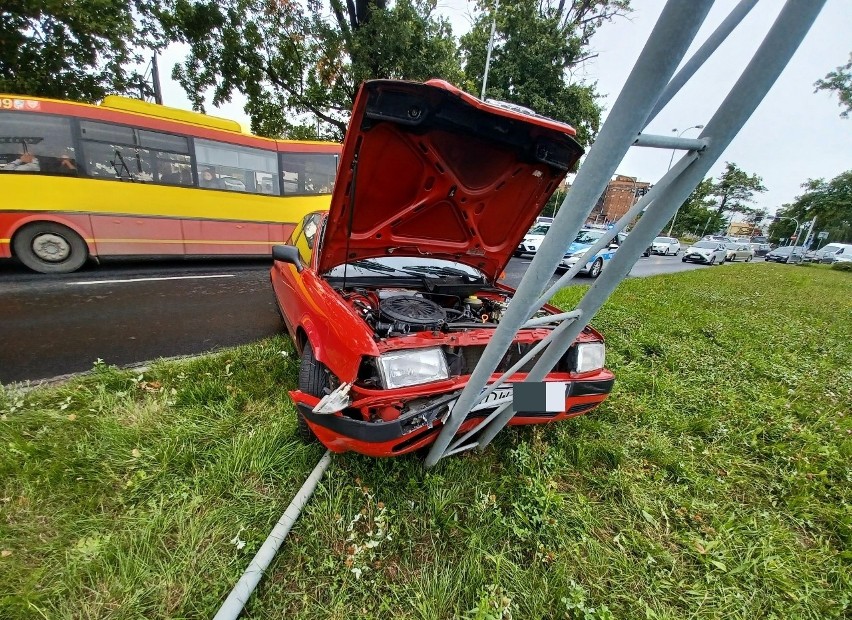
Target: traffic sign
x=823 y=235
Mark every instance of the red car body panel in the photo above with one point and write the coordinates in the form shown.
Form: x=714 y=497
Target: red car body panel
x=379 y=421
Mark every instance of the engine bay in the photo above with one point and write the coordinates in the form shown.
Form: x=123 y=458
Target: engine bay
x=400 y=311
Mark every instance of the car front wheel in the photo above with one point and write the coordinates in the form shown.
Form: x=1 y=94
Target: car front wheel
x=313 y=380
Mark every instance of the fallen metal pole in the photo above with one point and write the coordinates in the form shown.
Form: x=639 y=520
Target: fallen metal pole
x=237 y=599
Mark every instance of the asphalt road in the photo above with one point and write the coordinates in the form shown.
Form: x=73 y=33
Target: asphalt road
x=130 y=312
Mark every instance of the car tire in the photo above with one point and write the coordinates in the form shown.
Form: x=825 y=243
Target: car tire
x=47 y=247
x=748 y=259
x=313 y=380
x=595 y=269
x=646 y=254
x=517 y=254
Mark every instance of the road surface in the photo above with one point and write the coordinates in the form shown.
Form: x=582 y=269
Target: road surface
x=130 y=312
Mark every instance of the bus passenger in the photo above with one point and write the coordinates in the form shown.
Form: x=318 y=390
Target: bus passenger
x=27 y=162
x=208 y=179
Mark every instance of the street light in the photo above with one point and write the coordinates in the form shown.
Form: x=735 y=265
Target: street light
x=671 y=159
x=795 y=233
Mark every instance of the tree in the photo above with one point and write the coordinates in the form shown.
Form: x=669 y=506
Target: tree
x=291 y=58
x=735 y=189
x=840 y=81
x=537 y=45
x=72 y=50
x=697 y=213
x=830 y=202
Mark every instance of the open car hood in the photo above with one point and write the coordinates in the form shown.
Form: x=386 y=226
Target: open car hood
x=428 y=170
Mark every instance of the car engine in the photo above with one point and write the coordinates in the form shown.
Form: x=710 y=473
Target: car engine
x=396 y=312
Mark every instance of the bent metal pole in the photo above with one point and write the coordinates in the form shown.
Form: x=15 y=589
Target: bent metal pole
x=233 y=605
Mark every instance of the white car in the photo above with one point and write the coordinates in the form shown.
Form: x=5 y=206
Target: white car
x=707 y=252
x=532 y=240
x=667 y=246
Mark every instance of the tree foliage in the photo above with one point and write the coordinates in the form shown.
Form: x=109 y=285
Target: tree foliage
x=77 y=50
x=829 y=201
x=538 y=43
x=292 y=58
x=735 y=189
x=839 y=81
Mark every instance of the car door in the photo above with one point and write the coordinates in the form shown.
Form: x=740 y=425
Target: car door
x=289 y=288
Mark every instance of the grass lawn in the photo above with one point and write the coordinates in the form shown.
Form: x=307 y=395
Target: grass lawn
x=714 y=483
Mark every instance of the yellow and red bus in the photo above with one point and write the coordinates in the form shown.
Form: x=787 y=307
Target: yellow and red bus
x=131 y=178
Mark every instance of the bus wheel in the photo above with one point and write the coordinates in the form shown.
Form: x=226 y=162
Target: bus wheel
x=49 y=248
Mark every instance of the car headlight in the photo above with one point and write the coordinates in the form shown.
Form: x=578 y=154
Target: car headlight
x=413 y=367
x=590 y=356
x=578 y=253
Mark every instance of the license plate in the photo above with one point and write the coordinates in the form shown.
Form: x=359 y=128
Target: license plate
x=496 y=398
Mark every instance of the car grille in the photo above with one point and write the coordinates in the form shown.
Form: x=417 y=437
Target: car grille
x=471 y=355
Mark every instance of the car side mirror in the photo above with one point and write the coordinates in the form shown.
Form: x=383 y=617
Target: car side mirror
x=287 y=254
x=613 y=246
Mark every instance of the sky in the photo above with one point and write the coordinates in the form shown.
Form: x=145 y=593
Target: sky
x=794 y=135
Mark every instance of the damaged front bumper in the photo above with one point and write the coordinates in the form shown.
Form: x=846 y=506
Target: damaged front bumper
x=421 y=418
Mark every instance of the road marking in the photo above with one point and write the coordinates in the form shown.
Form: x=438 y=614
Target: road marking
x=224 y=275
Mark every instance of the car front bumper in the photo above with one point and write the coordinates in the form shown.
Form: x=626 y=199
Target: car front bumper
x=698 y=258
x=419 y=428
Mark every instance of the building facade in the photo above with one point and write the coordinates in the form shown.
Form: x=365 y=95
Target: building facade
x=621 y=193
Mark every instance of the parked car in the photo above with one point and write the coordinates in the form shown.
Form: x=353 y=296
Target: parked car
x=578 y=248
x=709 y=252
x=667 y=246
x=785 y=254
x=392 y=295
x=737 y=250
x=532 y=240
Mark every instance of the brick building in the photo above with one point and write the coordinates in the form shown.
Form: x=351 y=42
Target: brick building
x=621 y=193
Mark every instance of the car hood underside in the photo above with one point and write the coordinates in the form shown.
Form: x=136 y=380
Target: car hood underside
x=428 y=170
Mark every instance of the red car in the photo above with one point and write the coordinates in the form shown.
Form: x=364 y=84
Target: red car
x=392 y=295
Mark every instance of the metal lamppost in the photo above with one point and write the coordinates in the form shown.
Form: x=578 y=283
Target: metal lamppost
x=490 y=48
x=671 y=159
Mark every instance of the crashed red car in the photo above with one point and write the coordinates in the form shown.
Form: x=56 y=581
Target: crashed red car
x=392 y=295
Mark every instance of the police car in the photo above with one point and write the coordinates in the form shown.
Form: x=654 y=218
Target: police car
x=584 y=240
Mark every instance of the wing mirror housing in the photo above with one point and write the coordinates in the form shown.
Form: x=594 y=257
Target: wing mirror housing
x=613 y=246
x=287 y=254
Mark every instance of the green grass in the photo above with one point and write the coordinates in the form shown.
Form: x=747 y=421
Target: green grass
x=714 y=483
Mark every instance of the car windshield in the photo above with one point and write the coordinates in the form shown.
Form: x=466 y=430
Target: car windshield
x=405 y=266
x=663 y=240
x=588 y=237
x=709 y=245
x=784 y=250
x=541 y=229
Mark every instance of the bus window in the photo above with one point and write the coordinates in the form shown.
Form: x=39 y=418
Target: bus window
x=116 y=151
x=236 y=168
x=308 y=173
x=36 y=143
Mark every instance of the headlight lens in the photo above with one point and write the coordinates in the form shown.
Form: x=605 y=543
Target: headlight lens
x=590 y=356
x=403 y=368
x=578 y=253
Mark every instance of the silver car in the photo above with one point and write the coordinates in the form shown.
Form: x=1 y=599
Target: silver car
x=738 y=250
